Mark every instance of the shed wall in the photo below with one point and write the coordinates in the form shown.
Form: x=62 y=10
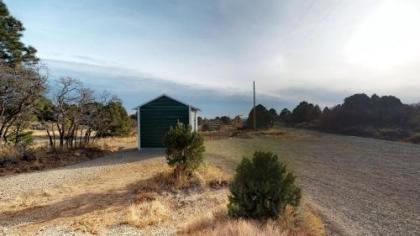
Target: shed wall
x=157 y=117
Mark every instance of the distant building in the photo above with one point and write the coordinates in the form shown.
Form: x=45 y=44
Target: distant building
x=239 y=122
x=214 y=124
x=155 y=117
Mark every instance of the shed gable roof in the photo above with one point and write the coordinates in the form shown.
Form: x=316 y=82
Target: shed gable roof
x=164 y=95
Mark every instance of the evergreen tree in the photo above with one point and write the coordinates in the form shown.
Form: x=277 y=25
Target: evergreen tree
x=12 y=51
x=184 y=149
x=264 y=117
x=118 y=119
x=306 y=112
x=285 y=115
x=262 y=187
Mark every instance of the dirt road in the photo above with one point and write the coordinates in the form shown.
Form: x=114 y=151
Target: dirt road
x=361 y=186
x=370 y=187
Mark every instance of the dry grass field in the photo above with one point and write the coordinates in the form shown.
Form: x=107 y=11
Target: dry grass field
x=131 y=193
x=358 y=186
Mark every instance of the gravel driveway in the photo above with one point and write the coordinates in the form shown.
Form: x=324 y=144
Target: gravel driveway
x=363 y=186
x=10 y=186
x=360 y=186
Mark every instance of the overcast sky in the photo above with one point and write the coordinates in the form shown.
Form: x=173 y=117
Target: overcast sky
x=209 y=52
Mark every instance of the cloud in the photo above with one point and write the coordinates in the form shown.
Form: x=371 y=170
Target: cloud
x=294 y=50
x=135 y=89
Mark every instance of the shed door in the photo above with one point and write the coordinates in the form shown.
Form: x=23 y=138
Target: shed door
x=156 y=119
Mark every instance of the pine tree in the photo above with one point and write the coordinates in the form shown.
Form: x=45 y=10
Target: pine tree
x=12 y=51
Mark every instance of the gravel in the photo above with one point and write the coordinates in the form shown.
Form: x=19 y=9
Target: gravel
x=27 y=182
x=361 y=186
x=127 y=230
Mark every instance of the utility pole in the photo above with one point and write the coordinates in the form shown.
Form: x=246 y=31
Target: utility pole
x=255 y=112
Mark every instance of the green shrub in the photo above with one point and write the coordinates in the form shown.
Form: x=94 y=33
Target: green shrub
x=262 y=188
x=184 y=149
x=21 y=138
x=114 y=118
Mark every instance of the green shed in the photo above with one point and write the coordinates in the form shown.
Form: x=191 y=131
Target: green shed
x=155 y=117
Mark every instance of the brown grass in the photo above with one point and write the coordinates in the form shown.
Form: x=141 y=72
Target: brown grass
x=142 y=194
x=312 y=223
x=147 y=213
x=9 y=153
x=214 y=176
x=206 y=176
x=303 y=222
x=116 y=143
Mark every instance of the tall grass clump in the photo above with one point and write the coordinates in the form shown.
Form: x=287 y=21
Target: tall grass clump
x=184 y=149
x=262 y=188
x=9 y=154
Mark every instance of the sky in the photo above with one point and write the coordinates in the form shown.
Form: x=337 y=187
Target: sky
x=208 y=52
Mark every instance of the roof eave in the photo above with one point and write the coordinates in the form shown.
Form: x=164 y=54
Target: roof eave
x=164 y=95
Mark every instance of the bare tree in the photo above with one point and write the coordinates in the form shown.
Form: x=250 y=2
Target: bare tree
x=80 y=115
x=73 y=111
x=65 y=99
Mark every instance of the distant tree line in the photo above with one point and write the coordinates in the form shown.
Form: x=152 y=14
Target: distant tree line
x=382 y=117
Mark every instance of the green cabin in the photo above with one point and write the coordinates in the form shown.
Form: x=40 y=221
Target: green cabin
x=155 y=117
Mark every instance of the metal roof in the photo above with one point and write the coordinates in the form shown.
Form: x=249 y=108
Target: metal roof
x=164 y=95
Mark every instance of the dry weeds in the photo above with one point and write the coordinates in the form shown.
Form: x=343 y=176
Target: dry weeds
x=147 y=213
x=142 y=194
x=302 y=222
x=127 y=194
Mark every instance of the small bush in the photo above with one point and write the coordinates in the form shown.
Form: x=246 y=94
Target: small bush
x=184 y=149
x=262 y=188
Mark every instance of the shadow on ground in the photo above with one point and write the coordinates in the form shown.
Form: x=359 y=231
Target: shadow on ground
x=81 y=204
x=120 y=157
